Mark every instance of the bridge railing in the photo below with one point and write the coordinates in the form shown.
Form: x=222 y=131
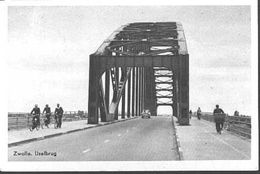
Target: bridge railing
x=237 y=124
x=24 y=120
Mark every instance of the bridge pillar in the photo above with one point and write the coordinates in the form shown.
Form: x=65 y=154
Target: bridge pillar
x=149 y=95
x=133 y=91
x=107 y=90
x=140 y=90
x=174 y=91
x=117 y=79
x=129 y=95
x=137 y=92
x=123 y=97
x=94 y=76
x=183 y=90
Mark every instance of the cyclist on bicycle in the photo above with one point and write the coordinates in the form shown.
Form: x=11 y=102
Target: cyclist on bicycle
x=47 y=111
x=36 y=117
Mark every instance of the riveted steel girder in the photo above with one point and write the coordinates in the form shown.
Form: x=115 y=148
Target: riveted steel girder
x=145 y=53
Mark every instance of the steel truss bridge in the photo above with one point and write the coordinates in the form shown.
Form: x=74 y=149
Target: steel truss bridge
x=140 y=66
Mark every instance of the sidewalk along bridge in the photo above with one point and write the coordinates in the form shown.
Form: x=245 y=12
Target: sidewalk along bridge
x=147 y=65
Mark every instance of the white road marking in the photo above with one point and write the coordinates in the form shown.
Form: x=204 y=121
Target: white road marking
x=119 y=135
x=87 y=150
x=106 y=141
x=219 y=139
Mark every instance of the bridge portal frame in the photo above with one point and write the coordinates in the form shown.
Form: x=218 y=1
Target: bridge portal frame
x=103 y=60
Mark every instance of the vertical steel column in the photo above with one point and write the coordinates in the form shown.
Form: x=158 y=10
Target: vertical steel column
x=107 y=92
x=177 y=86
x=133 y=92
x=107 y=87
x=141 y=91
x=184 y=89
x=93 y=90
x=117 y=79
x=142 y=106
x=174 y=91
x=144 y=86
x=123 y=96
x=150 y=101
x=129 y=94
x=137 y=92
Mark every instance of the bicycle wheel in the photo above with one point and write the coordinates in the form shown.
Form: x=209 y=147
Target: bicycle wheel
x=55 y=124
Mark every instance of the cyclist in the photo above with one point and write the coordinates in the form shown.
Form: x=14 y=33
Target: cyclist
x=36 y=117
x=47 y=111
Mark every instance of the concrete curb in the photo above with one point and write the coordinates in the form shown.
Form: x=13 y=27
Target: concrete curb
x=67 y=132
x=179 y=149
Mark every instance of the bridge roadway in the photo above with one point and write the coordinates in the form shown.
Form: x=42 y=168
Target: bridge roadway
x=133 y=140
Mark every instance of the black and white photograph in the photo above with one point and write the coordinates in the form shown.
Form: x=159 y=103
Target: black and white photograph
x=130 y=86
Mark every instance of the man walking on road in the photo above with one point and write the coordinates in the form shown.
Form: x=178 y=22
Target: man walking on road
x=219 y=119
x=47 y=111
x=199 y=113
x=190 y=113
x=59 y=113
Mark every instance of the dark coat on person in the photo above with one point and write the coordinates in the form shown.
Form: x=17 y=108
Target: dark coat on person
x=59 y=111
x=36 y=111
x=218 y=111
x=47 y=110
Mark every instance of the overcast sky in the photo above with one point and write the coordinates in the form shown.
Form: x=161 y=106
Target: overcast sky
x=49 y=50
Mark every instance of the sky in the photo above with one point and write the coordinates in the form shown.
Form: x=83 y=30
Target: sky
x=49 y=48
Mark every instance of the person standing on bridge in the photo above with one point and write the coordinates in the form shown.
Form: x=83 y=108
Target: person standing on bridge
x=199 y=113
x=190 y=113
x=219 y=120
x=36 y=117
x=47 y=111
x=58 y=114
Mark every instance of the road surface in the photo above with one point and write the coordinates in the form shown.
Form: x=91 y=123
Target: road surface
x=134 y=140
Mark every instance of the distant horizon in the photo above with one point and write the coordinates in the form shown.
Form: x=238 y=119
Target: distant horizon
x=230 y=114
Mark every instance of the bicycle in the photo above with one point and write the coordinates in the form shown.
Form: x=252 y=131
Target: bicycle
x=35 y=123
x=45 y=121
x=56 y=123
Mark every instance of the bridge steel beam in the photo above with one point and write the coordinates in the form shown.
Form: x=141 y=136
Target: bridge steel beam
x=150 y=96
x=133 y=91
x=107 y=96
x=137 y=92
x=141 y=90
x=123 y=101
x=140 y=47
x=129 y=96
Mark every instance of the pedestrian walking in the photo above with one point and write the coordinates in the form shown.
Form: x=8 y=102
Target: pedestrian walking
x=219 y=118
x=58 y=114
x=199 y=113
x=190 y=113
x=47 y=111
x=36 y=117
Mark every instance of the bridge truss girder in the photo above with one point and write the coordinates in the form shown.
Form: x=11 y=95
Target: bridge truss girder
x=139 y=50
